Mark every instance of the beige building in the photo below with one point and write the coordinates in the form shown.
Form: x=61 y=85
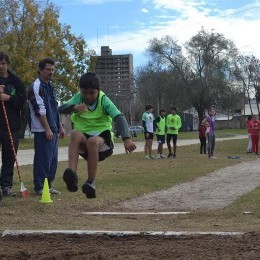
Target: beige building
x=115 y=73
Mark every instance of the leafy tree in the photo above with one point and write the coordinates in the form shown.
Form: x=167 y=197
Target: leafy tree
x=246 y=70
x=205 y=68
x=30 y=31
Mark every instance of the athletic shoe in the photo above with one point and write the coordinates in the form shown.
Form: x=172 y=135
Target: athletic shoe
x=71 y=179
x=89 y=189
x=7 y=192
x=147 y=157
x=162 y=156
x=174 y=156
x=53 y=191
x=170 y=155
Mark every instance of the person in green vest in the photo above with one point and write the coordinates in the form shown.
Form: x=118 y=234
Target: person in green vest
x=173 y=124
x=160 y=125
x=92 y=115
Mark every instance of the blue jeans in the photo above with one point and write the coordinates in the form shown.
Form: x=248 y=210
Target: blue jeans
x=45 y=159
x=211 y=144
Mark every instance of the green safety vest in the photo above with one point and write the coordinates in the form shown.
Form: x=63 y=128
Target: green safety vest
x=92 y=122
x=160 y=130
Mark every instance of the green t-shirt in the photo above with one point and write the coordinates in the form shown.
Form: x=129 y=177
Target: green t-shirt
x=173 y=121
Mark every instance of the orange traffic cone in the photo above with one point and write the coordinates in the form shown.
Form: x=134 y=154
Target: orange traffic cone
x=46 y=196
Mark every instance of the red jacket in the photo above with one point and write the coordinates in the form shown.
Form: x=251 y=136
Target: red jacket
x=254 y=127
x=202 y=130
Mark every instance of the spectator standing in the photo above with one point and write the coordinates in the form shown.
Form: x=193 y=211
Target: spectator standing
x=160 y=126
x=254 y=128
x=44 y=122
x=147 y=119
x=173 y=124
x=92 y=114
x=209 y=121
x=202 y=137
x=249 y=145
x=13 y=97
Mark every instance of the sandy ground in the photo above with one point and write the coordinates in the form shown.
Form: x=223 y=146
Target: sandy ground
x=56 y=247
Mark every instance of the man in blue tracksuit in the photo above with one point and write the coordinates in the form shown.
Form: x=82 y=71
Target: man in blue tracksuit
x=45 y=124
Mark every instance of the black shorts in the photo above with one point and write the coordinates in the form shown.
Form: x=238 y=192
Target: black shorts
x=172 y=137
x=160 y=139
x=108 y=141
x=149 y=137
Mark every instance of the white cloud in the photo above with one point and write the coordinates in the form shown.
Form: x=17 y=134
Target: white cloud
x=144 y=10
x=192 y=15
x=97 y=2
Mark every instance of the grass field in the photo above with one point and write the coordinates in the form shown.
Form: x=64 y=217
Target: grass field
x=27 y=143
x=123 y=177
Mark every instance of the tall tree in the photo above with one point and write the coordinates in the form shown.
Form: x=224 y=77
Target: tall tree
x=204 y=69
x=246 y=70
x=30 y=31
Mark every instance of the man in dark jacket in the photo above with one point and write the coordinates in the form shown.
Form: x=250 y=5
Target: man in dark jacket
x=13 y=97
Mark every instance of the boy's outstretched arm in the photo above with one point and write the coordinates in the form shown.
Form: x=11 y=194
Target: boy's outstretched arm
x=122 y=126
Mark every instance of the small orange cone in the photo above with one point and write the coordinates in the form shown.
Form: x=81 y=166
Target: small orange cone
x=46 y=196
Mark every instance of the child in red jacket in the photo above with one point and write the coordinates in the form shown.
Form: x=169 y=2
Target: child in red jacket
x=202 y=137
x=254 y=128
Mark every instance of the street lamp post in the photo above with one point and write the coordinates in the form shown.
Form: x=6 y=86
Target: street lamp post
x=130 y=107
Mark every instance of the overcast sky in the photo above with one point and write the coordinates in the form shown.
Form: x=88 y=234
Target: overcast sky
x=127 y=25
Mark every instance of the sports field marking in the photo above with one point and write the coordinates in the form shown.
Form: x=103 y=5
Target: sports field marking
x=116 y=233
x=136 y=213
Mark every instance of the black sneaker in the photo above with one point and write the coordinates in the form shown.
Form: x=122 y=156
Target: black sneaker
x=174 y=156
x=170 y=155
x=7 y=192
x=71 y=179
x=89 y=189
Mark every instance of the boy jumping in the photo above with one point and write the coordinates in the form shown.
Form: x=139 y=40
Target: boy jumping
x=92 y=114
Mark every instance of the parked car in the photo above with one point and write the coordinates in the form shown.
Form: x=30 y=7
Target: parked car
x=136 y=129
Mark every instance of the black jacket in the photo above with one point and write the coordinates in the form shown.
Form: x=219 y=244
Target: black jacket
x=15 y=88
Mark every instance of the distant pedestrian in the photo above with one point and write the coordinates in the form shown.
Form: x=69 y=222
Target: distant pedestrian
x=249 y=145
x=160 y=126
x=202 y=137
x=147 y=119
x=12 y=97
x=209 y=121
x=254 y=128
x=173 y=124
x=44 y=122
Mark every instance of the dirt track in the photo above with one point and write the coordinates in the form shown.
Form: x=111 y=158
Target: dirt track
x=211 y=192
x=58 y=247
